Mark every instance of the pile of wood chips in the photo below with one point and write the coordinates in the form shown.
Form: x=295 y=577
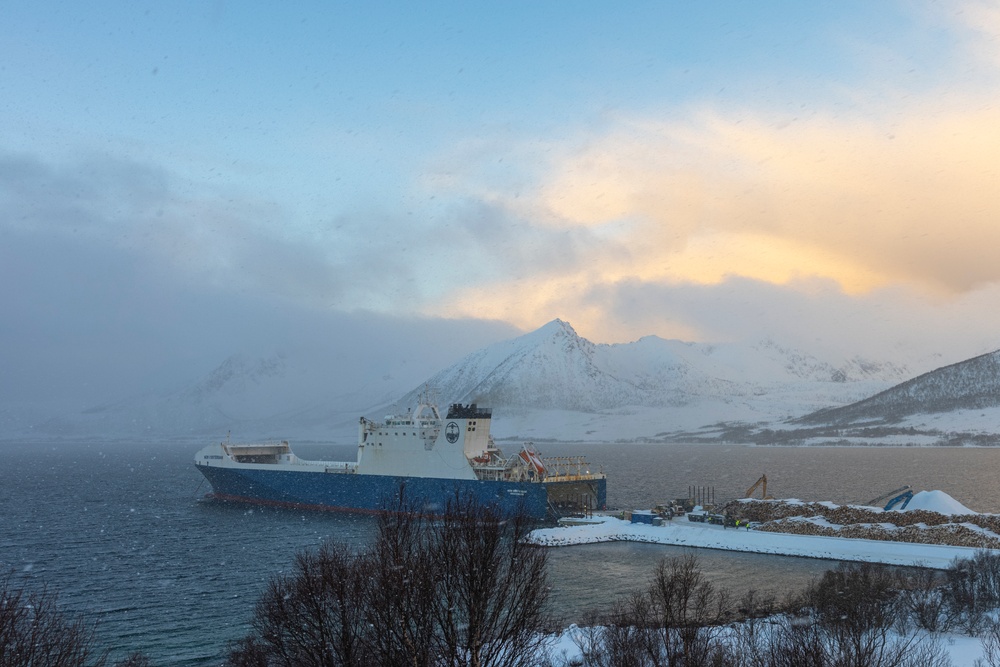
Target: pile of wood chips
x=981 y=531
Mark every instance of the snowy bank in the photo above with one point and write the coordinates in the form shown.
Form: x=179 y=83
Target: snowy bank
x=681 y=532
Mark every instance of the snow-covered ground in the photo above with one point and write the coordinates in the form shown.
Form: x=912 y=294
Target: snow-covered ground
x=564 y=648
x=682 y=532
x=963 y=650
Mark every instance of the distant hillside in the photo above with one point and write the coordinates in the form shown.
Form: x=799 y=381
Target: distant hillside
x=968 y=385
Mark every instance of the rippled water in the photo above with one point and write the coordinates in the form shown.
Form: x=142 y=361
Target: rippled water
x=120 y=531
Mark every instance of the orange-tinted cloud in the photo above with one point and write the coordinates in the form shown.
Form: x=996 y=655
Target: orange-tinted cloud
x=842 y=198
x=863 y=204
x=894 y=189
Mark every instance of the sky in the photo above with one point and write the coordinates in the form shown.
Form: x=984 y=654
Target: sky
x=182 y=181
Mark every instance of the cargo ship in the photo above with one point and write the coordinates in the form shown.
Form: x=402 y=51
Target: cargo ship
x=425 y=458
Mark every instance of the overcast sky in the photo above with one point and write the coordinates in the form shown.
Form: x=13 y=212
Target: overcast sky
x=184 y=180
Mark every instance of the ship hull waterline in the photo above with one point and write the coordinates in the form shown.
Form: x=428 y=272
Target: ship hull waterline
x=374 y=493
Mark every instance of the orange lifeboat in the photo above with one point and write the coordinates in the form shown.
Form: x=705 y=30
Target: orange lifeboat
x=530 y=456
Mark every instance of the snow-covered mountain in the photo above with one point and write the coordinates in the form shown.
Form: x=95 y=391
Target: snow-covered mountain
x=968 y=385
x=551 y=383
x=958 y=404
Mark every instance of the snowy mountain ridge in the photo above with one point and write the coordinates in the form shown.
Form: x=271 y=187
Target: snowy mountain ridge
x=968 y=385
x=645 y=388
x=553 y=367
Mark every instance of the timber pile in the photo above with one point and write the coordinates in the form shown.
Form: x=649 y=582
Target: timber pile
x=981 y=531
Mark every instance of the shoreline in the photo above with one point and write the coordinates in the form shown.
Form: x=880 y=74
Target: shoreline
x=680 y=532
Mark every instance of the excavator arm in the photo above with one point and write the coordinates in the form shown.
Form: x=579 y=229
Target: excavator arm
x=902 y=500
x=762 y=482
x=874 y=502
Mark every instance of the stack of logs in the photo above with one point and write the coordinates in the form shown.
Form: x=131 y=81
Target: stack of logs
x=981 y=531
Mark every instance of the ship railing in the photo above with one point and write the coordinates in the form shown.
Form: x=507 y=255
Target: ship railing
x=507 y=471
x=263 y=443
x=515 y=468
x=567 y=468
x=573 y=478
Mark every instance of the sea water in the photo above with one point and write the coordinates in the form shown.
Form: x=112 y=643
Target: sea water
x=123 y=534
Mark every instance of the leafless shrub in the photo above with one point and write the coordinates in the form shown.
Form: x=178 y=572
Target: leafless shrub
x=491 y=586
x=674 y=622
x=973 y=588
x=922 y=600
x=462 y=589
x=990 y=639
x=851 y=619
x=33 y=631
x=589 y=638
x=310 y=617
x=926 y=653
x=748 y=641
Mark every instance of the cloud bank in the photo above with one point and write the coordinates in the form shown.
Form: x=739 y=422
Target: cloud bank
x=861 y=219
x=858 y=210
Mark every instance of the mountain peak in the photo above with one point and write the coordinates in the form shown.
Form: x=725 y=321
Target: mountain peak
x=557 y=326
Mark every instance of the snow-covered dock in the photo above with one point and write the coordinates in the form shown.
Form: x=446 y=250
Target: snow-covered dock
x=681 y=532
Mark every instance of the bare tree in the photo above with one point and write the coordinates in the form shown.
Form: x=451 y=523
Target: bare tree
x=852 y=617
x=618 y=640
x=311 y=617
x=675 y=622
x=856 y=610
x=747 y=642
x=687 y=610
x=492 y=586
x=923 y=600
x=400 y=602
x=990 y=638
x=33 y=631
x=973 y=589
x=248 y=652
x=461 y=589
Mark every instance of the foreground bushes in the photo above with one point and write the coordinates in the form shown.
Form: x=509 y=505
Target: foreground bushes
x=848 y=618
x=462 y=589
x=857 y=615
x=465 y=590
x=34 y=632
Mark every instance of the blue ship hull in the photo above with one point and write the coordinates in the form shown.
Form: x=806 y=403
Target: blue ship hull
x=373 y=493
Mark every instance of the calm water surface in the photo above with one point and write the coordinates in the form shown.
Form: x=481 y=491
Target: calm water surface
x=120 y=531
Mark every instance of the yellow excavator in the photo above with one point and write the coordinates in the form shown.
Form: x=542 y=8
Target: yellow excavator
x=762 y=483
